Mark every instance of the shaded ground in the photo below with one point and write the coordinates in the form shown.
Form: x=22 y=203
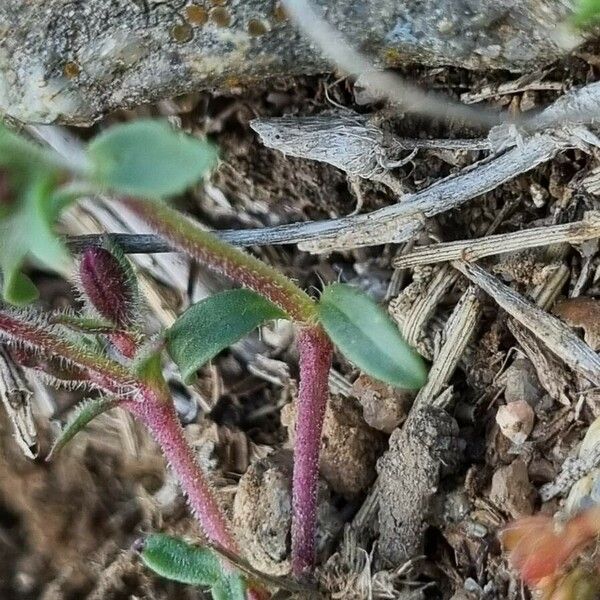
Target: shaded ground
x=66 y=526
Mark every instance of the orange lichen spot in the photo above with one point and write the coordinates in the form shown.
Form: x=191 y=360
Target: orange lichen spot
x=71 y=70
x=182 y=33
x=220 y=16
x=393 y=57
x=279 y=13
x=197 y=15
x=256 y=27
x=232 y=82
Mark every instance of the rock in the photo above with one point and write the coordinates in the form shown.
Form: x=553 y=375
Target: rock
x=70 y=61
x=384 y=407
x=512 y=491
x=409 y=475
x=584 y=313
x=515 y=420
x=349 y=448
x=262 y=514
x=522 y=383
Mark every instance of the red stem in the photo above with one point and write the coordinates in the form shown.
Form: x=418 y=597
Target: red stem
x=225 y=259
x=315 y=362
x=162 y=421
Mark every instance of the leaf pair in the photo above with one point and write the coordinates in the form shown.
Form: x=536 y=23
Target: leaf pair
x=144 y=158
x=175 y=559
x=356 y=324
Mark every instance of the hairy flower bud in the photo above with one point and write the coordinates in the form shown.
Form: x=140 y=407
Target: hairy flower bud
x=107 y=282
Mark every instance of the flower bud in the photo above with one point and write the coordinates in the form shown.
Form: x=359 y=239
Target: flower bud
x=107 y=282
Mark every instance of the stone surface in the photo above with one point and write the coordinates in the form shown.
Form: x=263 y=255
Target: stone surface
x=262 y=514
x=515 y=420
x=349 y=447
x=384 y=407
x=73 y=60
x=512 y=491
x=420 y=453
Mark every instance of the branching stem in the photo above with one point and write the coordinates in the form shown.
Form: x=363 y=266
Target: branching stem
x=315 y=351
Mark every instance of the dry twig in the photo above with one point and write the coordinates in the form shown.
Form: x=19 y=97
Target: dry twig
x=473 y=250
x=557 y=336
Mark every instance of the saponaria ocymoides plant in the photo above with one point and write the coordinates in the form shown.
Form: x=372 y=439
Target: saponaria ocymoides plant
x=141 y=164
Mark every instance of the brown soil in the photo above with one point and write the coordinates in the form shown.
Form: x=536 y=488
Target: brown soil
x=66 y=526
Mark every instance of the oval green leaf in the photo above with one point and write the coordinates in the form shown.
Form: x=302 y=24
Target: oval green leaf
x=175 y=559
x=369 y=338
x=149 y=159
x=587 y=13
x=232 y=587
x=213 y=324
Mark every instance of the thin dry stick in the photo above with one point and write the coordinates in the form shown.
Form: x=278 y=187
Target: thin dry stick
x=458 y=331
x=573 y=469
x=399 y=222
x=16 y=395
x=557 y=336
x=522 y=84
x=472 y=250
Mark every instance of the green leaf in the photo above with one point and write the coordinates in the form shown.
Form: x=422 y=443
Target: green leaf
x=21 y=157
x=149 y=159
x=27 y=230
x=177 y=560
x=86 y=412
x=213 y=324
x=232 y=587
x=17 y=288
x=28 y=177
x=587 y=13
x=369 y=338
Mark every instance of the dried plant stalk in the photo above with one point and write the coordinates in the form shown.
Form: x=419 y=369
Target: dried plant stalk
x=472 y=250
x=16 y=395
x=559 y=338
x=458 y=331
x=413 y=320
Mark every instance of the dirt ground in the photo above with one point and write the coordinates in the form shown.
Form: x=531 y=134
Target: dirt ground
x=447 y=483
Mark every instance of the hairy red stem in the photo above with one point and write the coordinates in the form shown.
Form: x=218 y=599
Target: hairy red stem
x=315 y=351
x=225 y=259
x=161 y=420
x=38 y=337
